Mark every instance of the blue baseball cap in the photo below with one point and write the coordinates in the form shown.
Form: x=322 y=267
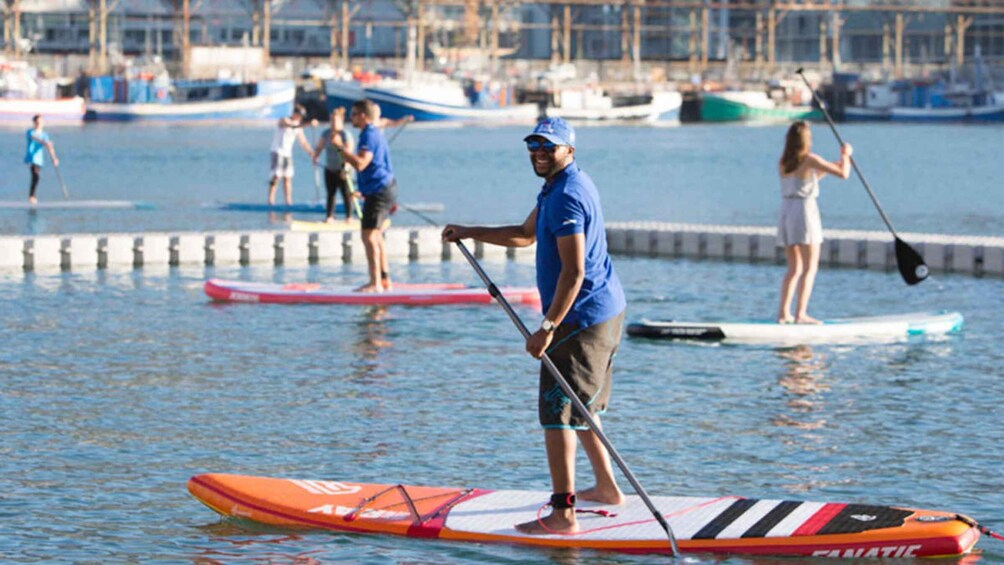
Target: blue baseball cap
x=555 y=130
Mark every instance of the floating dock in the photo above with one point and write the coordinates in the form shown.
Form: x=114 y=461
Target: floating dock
x=972 y=255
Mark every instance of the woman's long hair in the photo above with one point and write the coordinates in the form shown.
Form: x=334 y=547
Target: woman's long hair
x=796 y=146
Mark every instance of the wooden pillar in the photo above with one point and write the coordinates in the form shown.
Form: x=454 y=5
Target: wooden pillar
x=771 y=36
x=494 y=39
x=256 y=23
x=692 y=43
x=554 y=39
x=836 y=22
x=346 y=19
x=898 y=46
x=822 y=41
x=333 y=37
x=962 y=23
x=186 y=47
x=704 y=39
x=636 y=42
x=758 y=40
x=625 y=31
x=948 y=41
x=103 y=36
x=421 y=35
x=266 y=31
x=15 y=9
x=886 y=47
x=92 y=37
x=566 y=48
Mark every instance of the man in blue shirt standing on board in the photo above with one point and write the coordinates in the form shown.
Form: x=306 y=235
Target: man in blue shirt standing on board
x=34 y=157
x=583 y=305
x=376 y=184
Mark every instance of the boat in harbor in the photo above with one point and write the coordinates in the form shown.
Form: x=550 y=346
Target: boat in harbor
x=923 y=101
x=24 y=94
x=779 y=101
x=943 y=98
x=157 y=99
x=431 y=97
x=435 y=97
x=594 y=105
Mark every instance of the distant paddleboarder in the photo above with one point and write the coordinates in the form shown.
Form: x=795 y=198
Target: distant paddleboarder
x=34 y=157
x=583 y=305
x=800 y=229
x=337 y=177
x=287 y=131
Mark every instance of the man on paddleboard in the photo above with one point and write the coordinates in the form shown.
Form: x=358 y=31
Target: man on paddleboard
x=377 y=186
x=34 y=156
x=583 y=305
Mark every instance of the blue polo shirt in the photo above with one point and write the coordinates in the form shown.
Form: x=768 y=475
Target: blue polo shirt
x=379 y=172
x=35 y=153
x=567 y=205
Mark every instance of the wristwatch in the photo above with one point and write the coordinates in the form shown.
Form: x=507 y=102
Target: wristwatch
x=548 y=326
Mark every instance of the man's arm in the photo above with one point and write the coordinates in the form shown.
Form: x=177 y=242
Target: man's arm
x=572 y=251
x=360 y=160
x=302 y=139
x=52 y=153
x=520 y=235
x=389 y=123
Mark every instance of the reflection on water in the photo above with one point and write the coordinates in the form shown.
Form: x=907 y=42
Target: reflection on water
x=371 y=342
x=803 y=380
x=276 y=218
x=36 y=225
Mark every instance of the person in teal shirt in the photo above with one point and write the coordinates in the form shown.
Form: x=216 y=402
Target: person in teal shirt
x=34 y=157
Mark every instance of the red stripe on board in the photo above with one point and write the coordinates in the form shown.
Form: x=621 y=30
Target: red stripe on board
x=819 y=519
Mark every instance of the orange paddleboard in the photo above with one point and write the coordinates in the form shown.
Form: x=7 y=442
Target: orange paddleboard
x=723 y=525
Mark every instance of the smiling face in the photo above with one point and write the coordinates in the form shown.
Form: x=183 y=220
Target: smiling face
x=547 y=158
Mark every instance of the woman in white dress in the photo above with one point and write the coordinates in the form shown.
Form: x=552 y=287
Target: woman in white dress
x=800 y=229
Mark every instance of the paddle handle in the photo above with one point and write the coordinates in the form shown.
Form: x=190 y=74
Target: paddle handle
x=854 y=165
x=567 y=389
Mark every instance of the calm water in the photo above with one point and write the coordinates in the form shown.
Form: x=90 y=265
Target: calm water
x=940 y=178
x=117 y=386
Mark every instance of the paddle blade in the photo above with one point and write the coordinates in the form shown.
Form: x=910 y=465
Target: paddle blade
x=911 y=265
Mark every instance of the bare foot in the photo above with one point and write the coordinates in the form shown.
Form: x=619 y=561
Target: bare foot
x=348 y=220
x=806 y=319
x=594 y=494
x=329 y=220
x=387 y=285
x=554 y=524
x=32 y=200
x=370 y=288
x=785 y=320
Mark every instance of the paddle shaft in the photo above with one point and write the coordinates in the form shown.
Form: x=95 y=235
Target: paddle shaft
x=567 y=389
x=62 y=185
x=317 y=167
x=397 y=133
x=854 y=165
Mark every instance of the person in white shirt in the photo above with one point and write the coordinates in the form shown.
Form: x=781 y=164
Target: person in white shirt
x=288 y=130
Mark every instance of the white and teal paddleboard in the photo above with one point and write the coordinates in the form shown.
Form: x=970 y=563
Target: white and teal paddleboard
x=837 y=330
x=75 y=205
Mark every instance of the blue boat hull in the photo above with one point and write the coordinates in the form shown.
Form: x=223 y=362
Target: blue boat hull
x=275 y=99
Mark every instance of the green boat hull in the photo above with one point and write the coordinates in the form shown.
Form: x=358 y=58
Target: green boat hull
x=714 y=109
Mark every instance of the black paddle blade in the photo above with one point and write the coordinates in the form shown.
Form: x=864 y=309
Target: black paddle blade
x=911 y=265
